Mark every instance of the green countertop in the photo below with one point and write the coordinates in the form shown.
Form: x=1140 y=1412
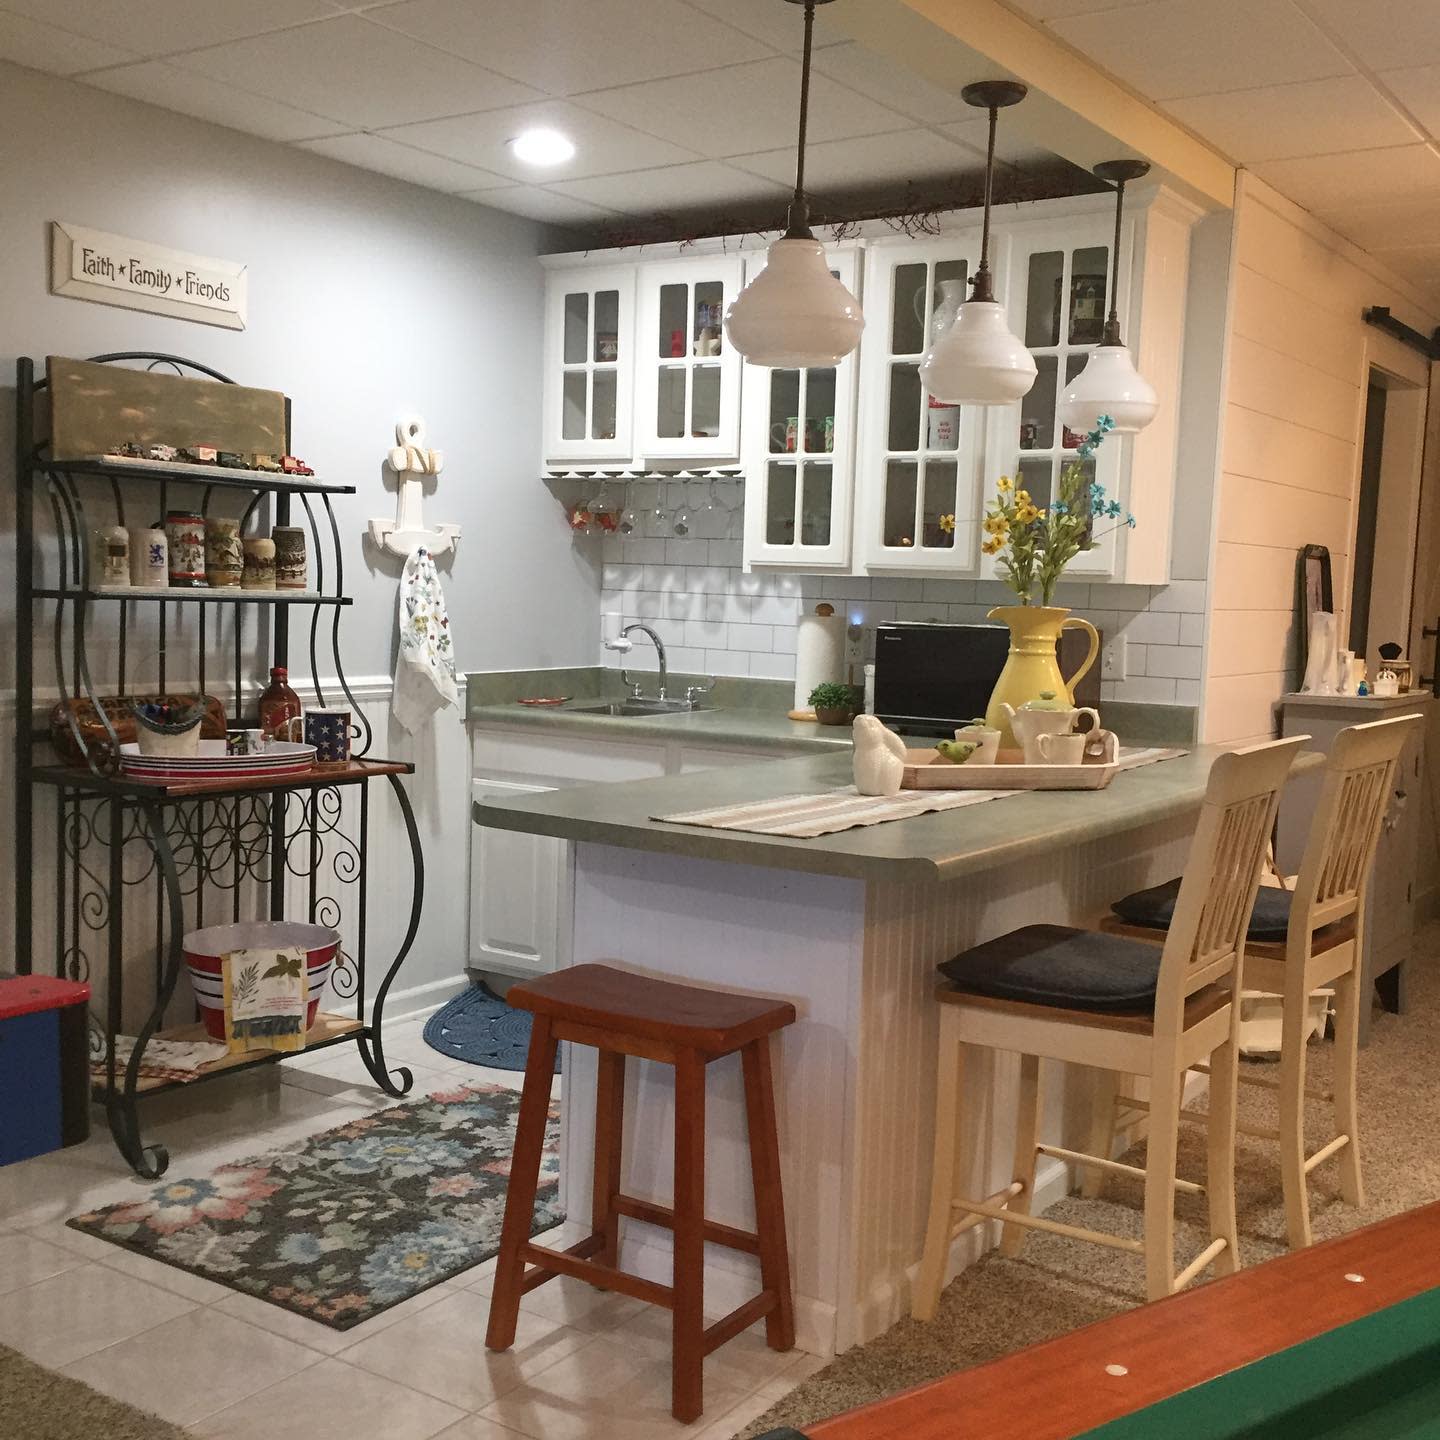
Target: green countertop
x=944 y=846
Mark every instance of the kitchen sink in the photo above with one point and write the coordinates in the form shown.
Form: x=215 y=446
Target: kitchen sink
x=634 y=707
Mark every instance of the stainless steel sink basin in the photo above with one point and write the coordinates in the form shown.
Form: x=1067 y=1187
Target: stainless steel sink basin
x=633 y=707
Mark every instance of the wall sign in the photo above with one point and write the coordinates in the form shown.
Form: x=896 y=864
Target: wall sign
x=112 y=270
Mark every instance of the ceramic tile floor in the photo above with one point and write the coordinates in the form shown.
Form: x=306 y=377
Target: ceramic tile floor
x=585 y=1365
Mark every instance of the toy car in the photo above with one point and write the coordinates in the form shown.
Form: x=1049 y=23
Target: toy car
x=197 y=454
x=261 y=461
x=231 y=460
x=160 y=452
x=291 y=466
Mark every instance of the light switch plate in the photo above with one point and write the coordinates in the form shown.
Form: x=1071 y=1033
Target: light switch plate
x=1112 y=659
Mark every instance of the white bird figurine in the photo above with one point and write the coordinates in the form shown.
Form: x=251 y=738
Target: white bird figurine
x=879 y=757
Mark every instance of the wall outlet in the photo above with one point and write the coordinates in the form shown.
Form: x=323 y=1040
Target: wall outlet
x=1112 y=659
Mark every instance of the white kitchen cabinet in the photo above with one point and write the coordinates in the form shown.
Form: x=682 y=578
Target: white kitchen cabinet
x=517 y=888
x=589 y=368
x=918 y=465
x=797 y=450
x=687 y=380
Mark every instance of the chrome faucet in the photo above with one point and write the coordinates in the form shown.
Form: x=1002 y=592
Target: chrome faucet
x=624 y=644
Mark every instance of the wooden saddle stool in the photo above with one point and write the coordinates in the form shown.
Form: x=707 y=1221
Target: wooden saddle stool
x=620 y=1014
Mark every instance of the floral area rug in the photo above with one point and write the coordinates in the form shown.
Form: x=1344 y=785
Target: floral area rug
x=354 y=1221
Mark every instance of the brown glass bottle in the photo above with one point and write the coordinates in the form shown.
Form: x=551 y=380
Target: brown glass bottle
x=279 y=705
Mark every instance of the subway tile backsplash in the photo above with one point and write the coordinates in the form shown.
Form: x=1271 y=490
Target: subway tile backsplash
x=714 y=619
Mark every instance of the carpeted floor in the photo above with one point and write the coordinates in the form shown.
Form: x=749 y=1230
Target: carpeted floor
x=1058 y=1284
x=38 y=1404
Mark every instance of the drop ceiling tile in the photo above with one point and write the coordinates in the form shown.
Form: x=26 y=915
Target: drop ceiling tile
x=602 y=147
x=566 y=46
x=358 y=73
x=674 y=188
x=767 y=21
x=1418 y=89
x=375 y=152
x=868 y=160
x=1414 y=220
x=1167 y=48
x=1044 y=10
x=158 y=83
x=1382 y=34
x=743 y=109
x=1313 y=117
x=1361 y=177
x=43 y=47
x=537 y=204
x=157 y=27
x=1011 y=147
x=880 y=78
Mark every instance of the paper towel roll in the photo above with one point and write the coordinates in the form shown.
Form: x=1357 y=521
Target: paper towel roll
x=819 y=653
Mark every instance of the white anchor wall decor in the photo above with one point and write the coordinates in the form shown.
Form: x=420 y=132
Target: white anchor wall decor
x=412 y=461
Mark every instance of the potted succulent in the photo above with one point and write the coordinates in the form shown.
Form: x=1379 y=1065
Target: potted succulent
x=834 y=704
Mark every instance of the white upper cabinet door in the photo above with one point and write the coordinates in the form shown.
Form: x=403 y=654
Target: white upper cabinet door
x=918 y=464
x=589 y=364
x=797 y=449
x=687 y=378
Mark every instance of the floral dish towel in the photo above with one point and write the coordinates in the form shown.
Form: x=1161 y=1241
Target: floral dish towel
x=425 y=671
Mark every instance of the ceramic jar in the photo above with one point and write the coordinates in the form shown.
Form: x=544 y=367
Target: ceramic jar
x=185 y=536
x=224 y=558
x=259 y=563
x=149 y=559
x=292 y=571
x=109 y=557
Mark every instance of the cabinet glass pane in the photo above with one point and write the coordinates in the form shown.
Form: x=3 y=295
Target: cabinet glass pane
x=1036 y=477
x=907 y=322
x=705 y=400
x=1043 y=299
x=572 y=407
x=670 y=402
x=784 y=410
x=1037 y=409
x=939 y=512
x=949 y=291
x=673 y=339
x=602 y=405
x=904 y=407
x=577 y=328
x=1088 y=284
x=780 y=504
x=607 y=325
x=1074 y=364
x=709 y=313
x=901 y=477
x=815 y=504
x=819 y=430
x=942 y=425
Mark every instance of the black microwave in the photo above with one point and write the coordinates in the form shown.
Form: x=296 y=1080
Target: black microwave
x=931 y=678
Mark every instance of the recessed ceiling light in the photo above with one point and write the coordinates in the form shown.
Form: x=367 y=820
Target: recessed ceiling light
x=543 y=147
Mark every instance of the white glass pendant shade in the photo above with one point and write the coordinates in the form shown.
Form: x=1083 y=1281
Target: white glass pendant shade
x=794 y=313
x=978 y=361
x=1109 y=385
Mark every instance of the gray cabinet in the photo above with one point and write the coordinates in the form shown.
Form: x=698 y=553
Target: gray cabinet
x=1390 y=904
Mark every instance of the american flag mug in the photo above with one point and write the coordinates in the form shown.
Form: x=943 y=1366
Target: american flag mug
x=329 y=732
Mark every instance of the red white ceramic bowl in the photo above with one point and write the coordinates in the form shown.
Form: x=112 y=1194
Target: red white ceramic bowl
x=204 y=948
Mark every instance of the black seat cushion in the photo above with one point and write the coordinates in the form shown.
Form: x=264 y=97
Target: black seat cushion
x=1057 y=965
x=1155 y=908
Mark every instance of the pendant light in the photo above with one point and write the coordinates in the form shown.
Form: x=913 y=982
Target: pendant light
x=1110 y=384
x=795 y=313
x=978 y=361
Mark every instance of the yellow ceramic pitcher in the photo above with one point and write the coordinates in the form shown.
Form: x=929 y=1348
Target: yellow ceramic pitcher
x=1033 y=663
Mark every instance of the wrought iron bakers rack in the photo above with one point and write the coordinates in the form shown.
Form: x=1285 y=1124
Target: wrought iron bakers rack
x=125 y=858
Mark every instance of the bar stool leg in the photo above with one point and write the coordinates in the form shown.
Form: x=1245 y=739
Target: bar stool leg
x=1349 y=996
x=1105 y=1090
x=1027 y=1134
x=1292 y=1125
x=688 y=1317
x=524 y=1180
x=609 y=1137
x=1165 y=1081
x=950 y=1071
x=1220 y=1160
x=769 y=1198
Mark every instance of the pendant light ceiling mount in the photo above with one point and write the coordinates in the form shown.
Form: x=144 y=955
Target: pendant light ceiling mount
x=994 y=96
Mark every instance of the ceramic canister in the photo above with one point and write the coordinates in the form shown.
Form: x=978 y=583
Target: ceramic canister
x=109 y=556
x=224 y=558
x=149 y=559
x=259 y=563
x=185 y=534
x=291 y=567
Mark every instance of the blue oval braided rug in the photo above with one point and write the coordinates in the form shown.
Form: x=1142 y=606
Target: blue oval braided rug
x=480 y=1027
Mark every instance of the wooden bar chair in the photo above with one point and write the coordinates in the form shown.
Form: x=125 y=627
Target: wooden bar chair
x=620 y=1014
x=1299 y=941
x=1060 y=993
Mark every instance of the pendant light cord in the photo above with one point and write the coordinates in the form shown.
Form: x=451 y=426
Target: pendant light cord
x=1111 y=333
x=799 y=223
x=981 y=288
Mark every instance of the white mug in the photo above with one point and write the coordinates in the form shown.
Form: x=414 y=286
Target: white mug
x=1060 y=749
x=943 y=425
x=985 y=740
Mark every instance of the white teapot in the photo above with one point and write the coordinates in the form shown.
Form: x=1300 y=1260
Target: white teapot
x=1046 y=715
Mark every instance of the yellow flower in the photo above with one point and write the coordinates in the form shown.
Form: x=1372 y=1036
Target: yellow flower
x=947 y=523
x=991 y=546
x=1003 y=483
x=1022 y=497
x=1027 y=513
x=996 y=524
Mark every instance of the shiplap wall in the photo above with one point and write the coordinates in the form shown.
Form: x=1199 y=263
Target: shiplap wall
x=1298 y=364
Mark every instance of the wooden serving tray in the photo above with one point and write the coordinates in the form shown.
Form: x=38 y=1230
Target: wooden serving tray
x=925 y=770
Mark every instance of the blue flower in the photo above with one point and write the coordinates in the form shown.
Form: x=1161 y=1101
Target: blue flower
x=416 y=1259
x=1113 y=510
x=1130 y=521
x=1060 y=508
x=401 y=1156
x=302 y=1249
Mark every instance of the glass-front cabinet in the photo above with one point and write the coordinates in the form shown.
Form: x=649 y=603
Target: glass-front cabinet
x=687 y=382
x=918 y=462
x=589 y=367
x=797 y=433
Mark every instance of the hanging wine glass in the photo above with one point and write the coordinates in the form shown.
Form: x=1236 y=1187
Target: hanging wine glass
x=602 y=509
x=628 y=522
x=713 y=519
x=682 y=523
x=657 y=518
